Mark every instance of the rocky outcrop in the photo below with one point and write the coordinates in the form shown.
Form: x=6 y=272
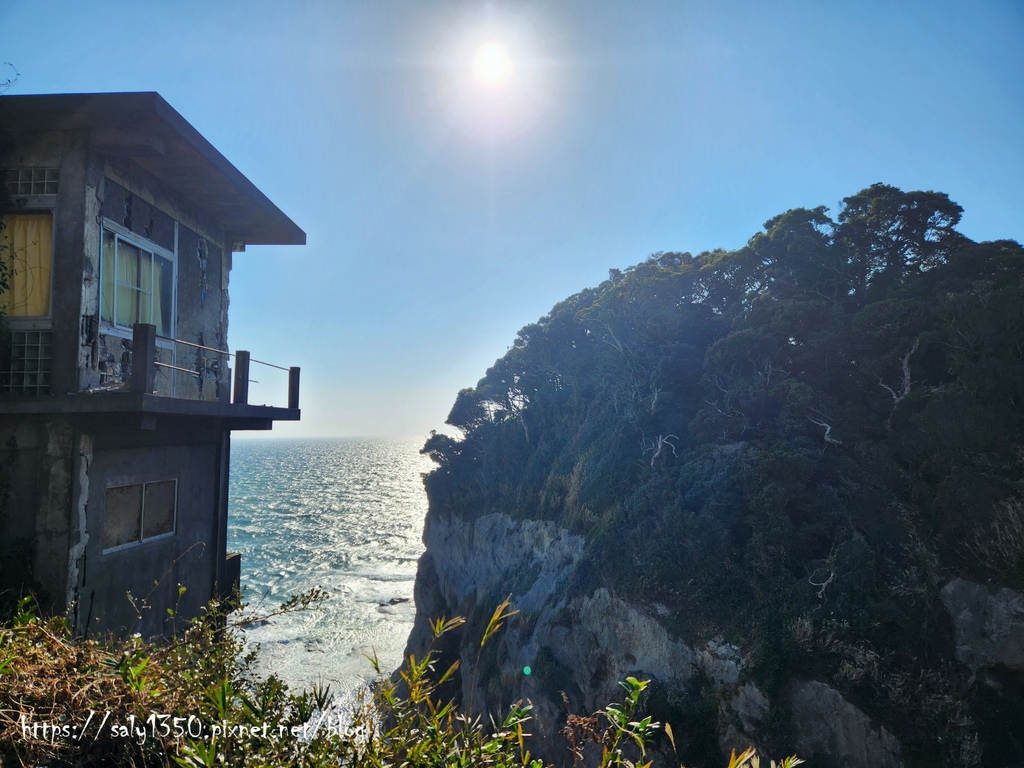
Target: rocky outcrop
x=583 y=643
x=827 y=724
x=988 y=624
x=467 y=564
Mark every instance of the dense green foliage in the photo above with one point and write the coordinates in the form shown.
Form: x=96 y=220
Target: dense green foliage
x=815 y=431
x=196 y=701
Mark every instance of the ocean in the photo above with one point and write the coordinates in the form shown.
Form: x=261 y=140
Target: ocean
x=345 y=515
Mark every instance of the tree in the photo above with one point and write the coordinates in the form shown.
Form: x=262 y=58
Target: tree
x=891 y=235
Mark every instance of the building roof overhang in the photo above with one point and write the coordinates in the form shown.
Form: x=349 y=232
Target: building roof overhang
x=146 y=129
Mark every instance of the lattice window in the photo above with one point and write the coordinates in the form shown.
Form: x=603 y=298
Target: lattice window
x=28 y=372
x=32 y=181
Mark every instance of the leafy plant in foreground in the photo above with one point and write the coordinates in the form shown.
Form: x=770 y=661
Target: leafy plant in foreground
x=196 y=701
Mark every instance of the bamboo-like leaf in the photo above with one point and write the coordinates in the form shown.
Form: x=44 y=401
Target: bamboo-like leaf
x=671 y=736
x=500 y=614
x=737 y=762
x=450 y=671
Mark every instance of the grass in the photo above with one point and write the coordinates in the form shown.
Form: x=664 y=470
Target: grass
x=196 y=701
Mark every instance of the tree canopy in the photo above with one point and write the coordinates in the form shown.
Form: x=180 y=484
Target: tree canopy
x=817 y=430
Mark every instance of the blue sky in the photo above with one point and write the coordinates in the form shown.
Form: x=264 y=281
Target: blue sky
x=443 y=214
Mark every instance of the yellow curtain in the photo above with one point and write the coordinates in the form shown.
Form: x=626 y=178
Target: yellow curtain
x=145 y=287
x=162 y=271
x=107 y=278
x=127 y=284
x=28 y=241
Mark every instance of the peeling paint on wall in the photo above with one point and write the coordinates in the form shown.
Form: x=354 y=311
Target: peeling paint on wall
x=88 y=350
x=202 y=252
x=79 y=531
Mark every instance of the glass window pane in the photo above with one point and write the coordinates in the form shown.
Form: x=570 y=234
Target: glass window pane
x=163 y=295
x=145 y=287
x=107 y=278
x=158 y=515
x=122 y=515
x=127 y=284
x=127 y=305
x=127 y=264
x=137 y=285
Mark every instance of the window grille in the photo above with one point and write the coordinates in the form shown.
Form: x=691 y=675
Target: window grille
x=32 y=181
x=28 y=371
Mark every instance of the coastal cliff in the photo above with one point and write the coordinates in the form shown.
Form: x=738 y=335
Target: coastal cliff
x=783 y=483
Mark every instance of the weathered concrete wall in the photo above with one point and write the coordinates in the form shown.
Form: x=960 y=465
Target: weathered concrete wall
x=53 y=518
x=35 y=489
x=20 y=462
x=68 y=262
x=88 y=342
x=150 y=571
x=202 y=316
x=132 y=198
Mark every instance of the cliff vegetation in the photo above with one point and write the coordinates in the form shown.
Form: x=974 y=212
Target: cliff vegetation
x=802 y=450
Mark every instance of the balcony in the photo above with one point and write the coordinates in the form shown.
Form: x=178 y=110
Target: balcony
x=130 y=390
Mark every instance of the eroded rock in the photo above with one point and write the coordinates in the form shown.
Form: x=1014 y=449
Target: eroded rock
x=989 y=625
x=826 y=723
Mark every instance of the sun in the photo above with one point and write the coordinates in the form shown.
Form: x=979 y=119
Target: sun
x=492 y=66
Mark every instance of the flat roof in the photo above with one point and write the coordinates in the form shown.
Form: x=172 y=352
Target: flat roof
x=145 y=128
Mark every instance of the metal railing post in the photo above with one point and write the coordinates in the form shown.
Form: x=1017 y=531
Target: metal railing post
x=241 y=377
x=293 y=388
x=143 y=358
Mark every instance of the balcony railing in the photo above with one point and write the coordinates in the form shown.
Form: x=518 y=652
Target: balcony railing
x=144 y=365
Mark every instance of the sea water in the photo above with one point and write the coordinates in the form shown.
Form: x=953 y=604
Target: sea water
x=345 y=515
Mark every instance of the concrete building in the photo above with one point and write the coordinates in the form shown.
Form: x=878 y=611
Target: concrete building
x=116 y=394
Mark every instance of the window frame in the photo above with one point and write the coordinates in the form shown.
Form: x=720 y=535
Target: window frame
x=143 y=539
x=50 y=181
x=140 y=242
x=37 y=322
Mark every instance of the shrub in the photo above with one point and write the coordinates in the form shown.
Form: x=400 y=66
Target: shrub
x=196 y=701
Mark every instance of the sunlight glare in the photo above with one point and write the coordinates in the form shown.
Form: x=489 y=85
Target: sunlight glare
x=492 y=66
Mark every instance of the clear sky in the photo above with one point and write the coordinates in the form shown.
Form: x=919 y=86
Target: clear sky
x=459 y=167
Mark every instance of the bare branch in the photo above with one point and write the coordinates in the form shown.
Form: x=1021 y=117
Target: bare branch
x=658 y=445
x=898 y=398
x=823 y=584
x=828 y=431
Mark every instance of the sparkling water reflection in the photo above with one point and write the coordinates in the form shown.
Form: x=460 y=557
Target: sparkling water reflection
x=342 y=514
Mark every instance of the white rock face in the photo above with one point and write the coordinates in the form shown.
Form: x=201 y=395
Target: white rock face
x=604 y=640
x=585 y=644
x=989 y=625
x=827 y=723
x=475 y=560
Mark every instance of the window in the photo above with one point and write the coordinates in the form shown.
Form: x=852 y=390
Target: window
x=23 y=182
x=138 y=512
x=25 y=366
x=26 y=253
x=137 y=282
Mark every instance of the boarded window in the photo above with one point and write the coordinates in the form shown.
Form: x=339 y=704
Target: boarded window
x=158 y=509
x=138 y=512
